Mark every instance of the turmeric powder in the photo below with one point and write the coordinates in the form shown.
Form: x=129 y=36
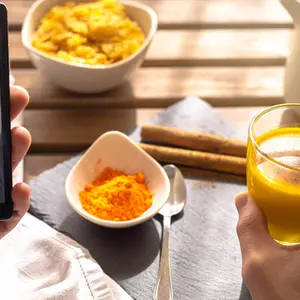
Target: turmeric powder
x=116 y=196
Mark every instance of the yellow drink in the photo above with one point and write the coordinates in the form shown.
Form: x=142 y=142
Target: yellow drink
x=273 y=177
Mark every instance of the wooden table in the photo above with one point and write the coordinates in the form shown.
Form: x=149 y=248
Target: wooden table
x=230 y=53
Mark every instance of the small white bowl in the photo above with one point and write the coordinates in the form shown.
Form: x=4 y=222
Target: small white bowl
x=83 y=78
x=114 y=149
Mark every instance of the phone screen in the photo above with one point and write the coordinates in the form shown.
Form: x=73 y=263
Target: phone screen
x=2 y=143
x=6 y=204
x=2 y=199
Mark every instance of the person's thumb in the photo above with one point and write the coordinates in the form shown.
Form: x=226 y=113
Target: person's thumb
x=252 y=226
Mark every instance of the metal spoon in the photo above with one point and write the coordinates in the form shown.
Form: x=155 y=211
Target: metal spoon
x=174 y=205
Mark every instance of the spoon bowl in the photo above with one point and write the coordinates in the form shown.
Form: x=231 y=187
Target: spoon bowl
x=177 y=197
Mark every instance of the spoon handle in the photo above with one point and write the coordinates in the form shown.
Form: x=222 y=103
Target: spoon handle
x=163 y=289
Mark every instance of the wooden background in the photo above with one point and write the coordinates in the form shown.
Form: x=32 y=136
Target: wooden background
x=230 y=53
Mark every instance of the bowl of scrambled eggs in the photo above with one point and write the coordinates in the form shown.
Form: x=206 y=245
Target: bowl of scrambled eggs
x=88 y=46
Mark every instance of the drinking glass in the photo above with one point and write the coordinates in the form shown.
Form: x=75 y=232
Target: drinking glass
x=273 y=169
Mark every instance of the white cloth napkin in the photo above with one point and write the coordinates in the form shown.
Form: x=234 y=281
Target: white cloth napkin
x=37 y=263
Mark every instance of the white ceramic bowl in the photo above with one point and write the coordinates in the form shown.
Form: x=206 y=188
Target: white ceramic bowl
x=81 y=78
x=114 y=149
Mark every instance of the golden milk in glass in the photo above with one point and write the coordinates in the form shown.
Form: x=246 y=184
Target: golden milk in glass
x=273 y=170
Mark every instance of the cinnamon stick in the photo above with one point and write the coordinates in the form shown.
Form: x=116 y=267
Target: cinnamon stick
x=211 y=176
x=192 y=158
x=194 y=140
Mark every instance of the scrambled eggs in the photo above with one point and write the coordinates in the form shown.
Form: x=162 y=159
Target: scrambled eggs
x=88 y=33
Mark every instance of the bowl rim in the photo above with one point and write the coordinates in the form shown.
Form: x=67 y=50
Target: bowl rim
x=108 y=223
x=127 y=3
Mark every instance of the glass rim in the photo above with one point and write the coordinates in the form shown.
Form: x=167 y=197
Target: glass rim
x=252 y=139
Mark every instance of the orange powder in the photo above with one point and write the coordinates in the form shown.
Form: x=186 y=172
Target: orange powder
x=116 y=196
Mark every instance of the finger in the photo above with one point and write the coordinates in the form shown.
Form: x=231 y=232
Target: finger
x=19 y=99
x=252 y=227
x=21 y=199
x=21 y=141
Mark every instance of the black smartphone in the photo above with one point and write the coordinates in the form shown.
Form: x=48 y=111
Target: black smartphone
x=6 y=203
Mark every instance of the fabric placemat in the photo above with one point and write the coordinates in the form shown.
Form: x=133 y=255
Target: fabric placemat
x=205 y=254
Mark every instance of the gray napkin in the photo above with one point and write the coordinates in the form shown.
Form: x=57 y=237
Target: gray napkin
x=205 y=254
